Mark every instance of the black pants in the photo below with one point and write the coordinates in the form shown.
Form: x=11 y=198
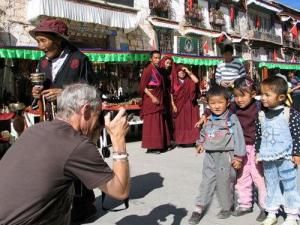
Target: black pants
x=82 y=202
x=3 y=148
x=296 y=101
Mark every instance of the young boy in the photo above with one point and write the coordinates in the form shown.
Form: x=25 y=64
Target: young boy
x=277 y=145
x=222 y=140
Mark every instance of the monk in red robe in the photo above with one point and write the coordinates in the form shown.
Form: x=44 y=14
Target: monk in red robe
x=155 y=135
x=166 y=67
x=185 y=107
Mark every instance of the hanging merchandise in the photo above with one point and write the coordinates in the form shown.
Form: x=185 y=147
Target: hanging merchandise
x=293 y=60
x=232 y=14
x=275 y=56
x=257 y=22
x=205 y=47
x=190 y=4
x=294 y=31
x=220 y=39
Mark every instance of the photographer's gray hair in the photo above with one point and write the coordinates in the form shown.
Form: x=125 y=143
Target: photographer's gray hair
x=74 y=96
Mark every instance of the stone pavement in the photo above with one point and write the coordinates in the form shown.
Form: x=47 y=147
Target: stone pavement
x=163 y=190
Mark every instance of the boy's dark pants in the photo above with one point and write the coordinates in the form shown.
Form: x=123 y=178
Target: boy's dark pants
x=219 y=175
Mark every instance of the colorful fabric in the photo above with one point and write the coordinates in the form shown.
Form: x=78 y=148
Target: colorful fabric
x=276 y=139
x=284 y=172
x=223 y=133
x=250 y=173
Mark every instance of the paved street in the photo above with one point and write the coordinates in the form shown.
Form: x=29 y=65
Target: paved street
x=163 y=190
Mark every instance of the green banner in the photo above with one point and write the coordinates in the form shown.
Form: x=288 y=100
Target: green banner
x=109 y=57
x=93 y=56
x=282 y=66
x=20 y=54
x=196 y=61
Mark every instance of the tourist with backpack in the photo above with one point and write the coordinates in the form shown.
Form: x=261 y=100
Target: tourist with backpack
x=222 y=140
x=277 y=145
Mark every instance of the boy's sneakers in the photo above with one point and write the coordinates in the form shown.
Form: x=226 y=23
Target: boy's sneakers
x=270 y=220
x=223 y=214
x=240 y=211
x=262 y=216
x=195 y=218
x=290 y=221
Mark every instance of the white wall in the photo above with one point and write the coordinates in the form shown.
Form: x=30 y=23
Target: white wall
x=178 y=10
x=205 y=12
x=13 y=25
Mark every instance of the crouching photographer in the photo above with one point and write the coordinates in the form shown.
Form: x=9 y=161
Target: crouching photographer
x=51 y=155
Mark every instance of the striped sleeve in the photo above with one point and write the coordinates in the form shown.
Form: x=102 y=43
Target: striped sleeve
x=218 y=74
x=242 y=71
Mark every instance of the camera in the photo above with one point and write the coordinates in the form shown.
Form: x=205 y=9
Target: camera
x=105 y=152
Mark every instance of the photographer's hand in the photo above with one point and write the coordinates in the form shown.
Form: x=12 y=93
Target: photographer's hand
x=117 y=129
x=118 y=187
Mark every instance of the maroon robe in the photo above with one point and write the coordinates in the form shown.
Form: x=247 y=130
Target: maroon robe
x=187 y=115
x=155 y=133
x=167 y=99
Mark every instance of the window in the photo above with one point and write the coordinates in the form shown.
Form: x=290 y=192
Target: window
x=238 y=50
x=165 y=39
x=215 y=4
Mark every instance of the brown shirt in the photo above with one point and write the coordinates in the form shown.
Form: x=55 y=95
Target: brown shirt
x=37 y=173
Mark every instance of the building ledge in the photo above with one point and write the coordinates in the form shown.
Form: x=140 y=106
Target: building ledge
x=265 y=41
x=86 y=12
x=164 y=20
x=106 y=5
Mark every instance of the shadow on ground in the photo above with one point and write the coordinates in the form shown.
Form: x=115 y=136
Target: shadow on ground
x=157 y=216
x=140 y=186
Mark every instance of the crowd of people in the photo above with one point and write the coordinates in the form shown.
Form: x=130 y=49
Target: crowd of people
x=169 y=106
x=247 y=142
x=250 y=143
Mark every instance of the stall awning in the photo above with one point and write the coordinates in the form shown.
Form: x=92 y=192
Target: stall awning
x=282 y=66
x=110 y=56
x=31 y=54
x=94 y=56
x=83 y=12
